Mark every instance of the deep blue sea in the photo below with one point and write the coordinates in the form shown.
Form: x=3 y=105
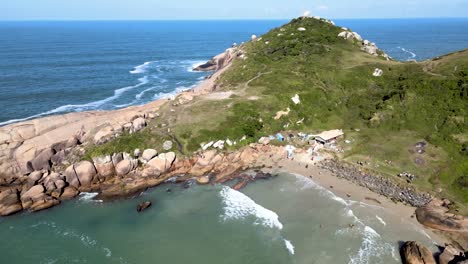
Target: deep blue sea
x=58 y=67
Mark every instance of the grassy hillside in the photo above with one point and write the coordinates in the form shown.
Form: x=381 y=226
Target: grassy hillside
x=383 y=117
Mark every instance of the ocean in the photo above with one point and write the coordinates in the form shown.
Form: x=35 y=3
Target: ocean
x=285 y=220
x=58 y=67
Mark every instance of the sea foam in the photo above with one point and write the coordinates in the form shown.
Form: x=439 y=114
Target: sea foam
x=289 y=246
x=82 y=107
x=412 y=54
x=239 y=206
x=141 y=68
x=88 y=197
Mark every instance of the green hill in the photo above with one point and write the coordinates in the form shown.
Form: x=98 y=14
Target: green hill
x=383 y=117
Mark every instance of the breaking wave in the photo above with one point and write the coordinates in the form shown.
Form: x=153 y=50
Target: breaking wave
x=289 y=246
x=141 y=68
x=88 y=197
x=412 y=54
x=238 y=206
x=82 y=107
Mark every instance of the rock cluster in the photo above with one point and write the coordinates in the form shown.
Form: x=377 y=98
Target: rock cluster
x=378 y=184
x=366 y=45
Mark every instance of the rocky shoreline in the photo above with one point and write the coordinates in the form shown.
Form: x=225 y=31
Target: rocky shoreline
x=378 y=184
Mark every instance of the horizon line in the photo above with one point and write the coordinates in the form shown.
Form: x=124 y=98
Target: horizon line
x=211 y=19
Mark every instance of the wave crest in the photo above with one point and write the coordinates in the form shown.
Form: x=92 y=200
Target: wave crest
x=239 y=206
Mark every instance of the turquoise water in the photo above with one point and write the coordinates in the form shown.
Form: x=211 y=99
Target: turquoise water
x=59 y=67
x=288 y=219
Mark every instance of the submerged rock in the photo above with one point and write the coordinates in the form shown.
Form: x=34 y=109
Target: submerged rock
x=143 y=206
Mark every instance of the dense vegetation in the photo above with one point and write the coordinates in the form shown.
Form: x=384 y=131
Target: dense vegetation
x=383 y=117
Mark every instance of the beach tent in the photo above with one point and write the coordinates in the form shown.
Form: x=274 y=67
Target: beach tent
x=280 y=137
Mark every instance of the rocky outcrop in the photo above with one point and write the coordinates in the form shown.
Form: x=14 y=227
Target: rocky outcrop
x=415 y=253
x=220 y=61
x=366 y=46
x=436 y=215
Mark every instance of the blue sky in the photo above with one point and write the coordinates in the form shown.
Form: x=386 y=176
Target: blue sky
x=219 y=9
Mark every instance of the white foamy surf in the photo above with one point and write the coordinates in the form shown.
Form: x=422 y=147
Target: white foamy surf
x=412 y=54
x=88 y=197
x=238 y=206
x=289 y=246
x=141 y=68
x=82 y=107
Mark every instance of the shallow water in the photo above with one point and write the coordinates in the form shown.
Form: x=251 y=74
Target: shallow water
x=287 y=219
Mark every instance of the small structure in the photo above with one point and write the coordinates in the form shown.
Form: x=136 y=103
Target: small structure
x=279 y=137
x=328 y=136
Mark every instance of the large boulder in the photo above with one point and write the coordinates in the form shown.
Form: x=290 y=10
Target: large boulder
x=71 y=177
x=35 y=176
x=415 y=253
x=104 y=166
x=125 y=166
x=139 y=124
x=9 y=202
x=436 y=215
x=35 y=192
x=85 y=171
x=160 y=164
x=41 y=161
x=69 y=192
x=148 y=154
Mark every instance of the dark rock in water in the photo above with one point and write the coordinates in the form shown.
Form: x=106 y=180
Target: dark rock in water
x=262 y=175
x=168 y=190
x=143 y=206
x=415 y=253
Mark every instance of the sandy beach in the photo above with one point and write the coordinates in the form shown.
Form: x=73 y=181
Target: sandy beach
x=348 y=191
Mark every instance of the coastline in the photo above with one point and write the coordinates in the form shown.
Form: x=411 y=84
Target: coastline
x=345 y=189
x=26 y=149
